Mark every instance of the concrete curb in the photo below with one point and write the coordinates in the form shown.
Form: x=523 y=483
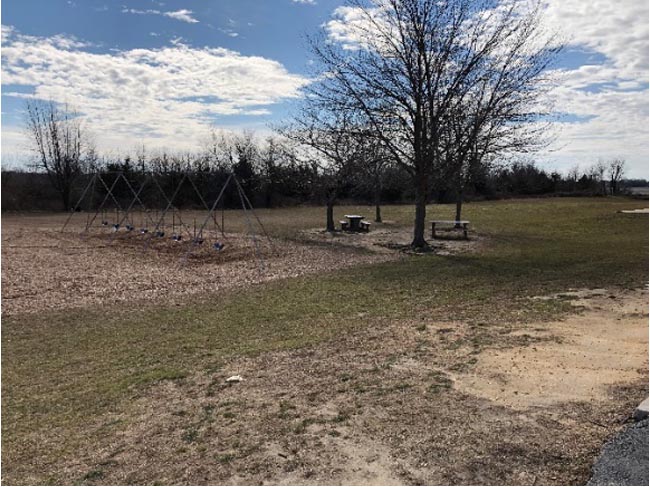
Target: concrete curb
x=641 y=411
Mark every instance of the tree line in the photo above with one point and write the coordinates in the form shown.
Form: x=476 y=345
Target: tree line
x=275 y=173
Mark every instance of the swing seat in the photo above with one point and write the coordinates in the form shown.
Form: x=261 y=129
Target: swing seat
x=160 y=234
x=218 y=246
x=144 y=230
x=129 y=228
x=198 y=240
x=105 y=223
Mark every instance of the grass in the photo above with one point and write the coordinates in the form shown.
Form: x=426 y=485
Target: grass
x=68 y=367
x=439 y=382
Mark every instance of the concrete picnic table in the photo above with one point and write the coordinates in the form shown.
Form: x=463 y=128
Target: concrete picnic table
x=355 y=221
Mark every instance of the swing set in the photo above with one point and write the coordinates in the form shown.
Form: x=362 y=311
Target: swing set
x=131 y=219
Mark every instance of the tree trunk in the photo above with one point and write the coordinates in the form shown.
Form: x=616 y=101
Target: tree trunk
x=65 y=197
x=421 y=190
x=459 y=206
x=378 y=204
x=330 y=215
x=269 y=196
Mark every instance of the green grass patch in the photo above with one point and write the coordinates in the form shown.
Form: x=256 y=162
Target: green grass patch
x=225 y=458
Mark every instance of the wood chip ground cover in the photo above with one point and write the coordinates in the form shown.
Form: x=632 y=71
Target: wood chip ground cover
x=43 y=269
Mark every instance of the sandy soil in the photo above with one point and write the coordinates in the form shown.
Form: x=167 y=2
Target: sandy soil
x=584 y=355
x=389 y=239
x=391 y=404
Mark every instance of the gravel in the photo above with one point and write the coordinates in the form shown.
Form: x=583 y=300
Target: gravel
x=624 y=458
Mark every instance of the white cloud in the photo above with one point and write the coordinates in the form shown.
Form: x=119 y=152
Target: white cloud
x=228 y=32
x=618 y=30
x=140 y=12
x=7 y=30
x=167 y=96
x=611 y=95
x=349 y=27
x=183 y=15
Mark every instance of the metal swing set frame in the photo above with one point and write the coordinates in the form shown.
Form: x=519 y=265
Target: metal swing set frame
x=195 y=235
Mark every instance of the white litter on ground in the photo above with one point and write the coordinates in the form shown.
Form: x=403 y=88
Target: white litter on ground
x=640 y=210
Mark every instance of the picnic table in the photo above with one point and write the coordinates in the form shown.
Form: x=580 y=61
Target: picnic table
x=356 y=223
x=456 y=224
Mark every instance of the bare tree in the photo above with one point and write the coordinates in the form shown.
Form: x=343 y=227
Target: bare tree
x=274 y=156
x=372 y=163
x=333 y=138
x=573 y=174
x=403 y=66
x=236 y=152
x=616 y=170
x=141 y=157
x=498 y=115
x=597 y=172
x=62 y=145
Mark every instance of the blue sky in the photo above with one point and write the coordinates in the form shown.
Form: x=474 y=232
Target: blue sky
x=162 y=73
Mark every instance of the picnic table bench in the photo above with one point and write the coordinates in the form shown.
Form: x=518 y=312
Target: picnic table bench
x=356 y=224
x=365 y=226
x=456 y=223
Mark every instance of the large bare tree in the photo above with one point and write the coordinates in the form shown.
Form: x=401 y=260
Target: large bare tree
x=500 y=112
x=62 y=145
x=403 y=65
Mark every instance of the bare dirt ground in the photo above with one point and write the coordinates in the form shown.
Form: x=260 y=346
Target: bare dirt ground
x=409 y=402
x=388 y=239
x=599 y=347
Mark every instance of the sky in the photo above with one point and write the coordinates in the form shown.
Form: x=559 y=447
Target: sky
x=163 y=73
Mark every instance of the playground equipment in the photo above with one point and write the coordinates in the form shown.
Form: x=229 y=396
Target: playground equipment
x=123 y=210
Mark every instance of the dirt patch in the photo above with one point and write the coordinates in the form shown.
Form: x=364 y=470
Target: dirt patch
x=606 y=343
x=388 y=239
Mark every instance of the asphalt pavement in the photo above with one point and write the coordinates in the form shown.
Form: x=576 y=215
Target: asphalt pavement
x=624 y=458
